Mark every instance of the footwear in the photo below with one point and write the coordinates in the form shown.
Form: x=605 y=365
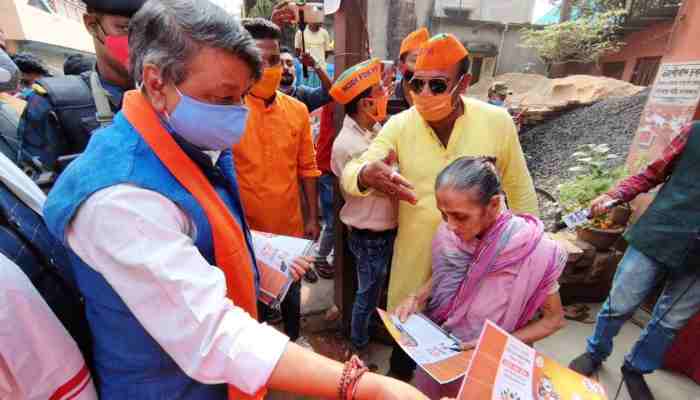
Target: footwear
x=273 y=317
x=363 y=353
x=585 y=365
x=636 y=385
x=311 y=276
x=304 y=342
x=324 y=269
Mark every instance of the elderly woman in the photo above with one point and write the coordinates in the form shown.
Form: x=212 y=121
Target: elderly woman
x=487 y=264
x=153 y=212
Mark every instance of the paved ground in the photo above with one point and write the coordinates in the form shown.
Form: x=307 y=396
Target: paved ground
x=563 y=347
x=570 y=342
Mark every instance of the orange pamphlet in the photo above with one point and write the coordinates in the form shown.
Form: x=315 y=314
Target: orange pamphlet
x=274 y=254
x=504 y=368
x=433 y=349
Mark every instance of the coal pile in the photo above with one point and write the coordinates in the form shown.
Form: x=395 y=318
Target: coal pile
x=548 y=147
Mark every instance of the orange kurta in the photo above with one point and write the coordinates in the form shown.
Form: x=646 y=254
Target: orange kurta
x=275 y=152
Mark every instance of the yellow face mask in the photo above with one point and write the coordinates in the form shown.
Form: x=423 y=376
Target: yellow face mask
x=268 y=84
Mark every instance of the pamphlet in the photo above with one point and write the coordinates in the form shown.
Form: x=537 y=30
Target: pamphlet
x=504 y=368
x=274 y=254
x=433 y=349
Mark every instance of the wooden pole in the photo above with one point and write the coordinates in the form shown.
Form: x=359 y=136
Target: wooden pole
x=350 y=49
x=565 y=12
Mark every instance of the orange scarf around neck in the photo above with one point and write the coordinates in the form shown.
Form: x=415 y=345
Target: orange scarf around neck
x=230 y=249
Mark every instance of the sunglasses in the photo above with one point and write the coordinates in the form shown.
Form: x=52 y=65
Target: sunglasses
x=436 y=85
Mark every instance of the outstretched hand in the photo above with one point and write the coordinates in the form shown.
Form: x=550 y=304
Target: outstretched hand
x=380 y=176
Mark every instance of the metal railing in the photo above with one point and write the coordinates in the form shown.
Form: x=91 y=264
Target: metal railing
x=646 y=10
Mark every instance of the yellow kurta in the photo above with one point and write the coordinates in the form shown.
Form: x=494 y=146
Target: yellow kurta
x=482 y=130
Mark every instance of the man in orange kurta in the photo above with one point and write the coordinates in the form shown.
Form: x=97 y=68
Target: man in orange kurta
x=275 y=153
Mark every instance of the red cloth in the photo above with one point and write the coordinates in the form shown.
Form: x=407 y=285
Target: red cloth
x=684 y=354
x=326 y=137
x=655 y=173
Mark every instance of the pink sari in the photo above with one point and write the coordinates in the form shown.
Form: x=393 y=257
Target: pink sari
x=504 y=277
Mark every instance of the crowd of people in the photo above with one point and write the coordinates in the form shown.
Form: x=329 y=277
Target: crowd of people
x=136 y=277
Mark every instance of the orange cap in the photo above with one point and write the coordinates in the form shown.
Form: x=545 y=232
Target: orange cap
x=414 y=41
x=440 y=52
x=356 y=80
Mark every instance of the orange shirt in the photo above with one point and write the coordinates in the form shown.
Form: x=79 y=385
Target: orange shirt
x=276 y=150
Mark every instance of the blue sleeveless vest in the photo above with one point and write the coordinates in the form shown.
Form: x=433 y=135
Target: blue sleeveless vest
x=129 y=363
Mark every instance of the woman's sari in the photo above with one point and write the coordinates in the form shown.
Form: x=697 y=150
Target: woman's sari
x=505 y=276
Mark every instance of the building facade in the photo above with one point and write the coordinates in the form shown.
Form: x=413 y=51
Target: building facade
x=490 y=29
x=50 y=29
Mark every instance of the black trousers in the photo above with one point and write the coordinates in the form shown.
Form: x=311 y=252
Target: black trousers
x=291 y=312
x=401 y=365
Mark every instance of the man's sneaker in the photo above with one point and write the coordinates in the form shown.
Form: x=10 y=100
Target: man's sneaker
x=304 y=342
x=311 y=276
x=636 y=385
x=585 y=364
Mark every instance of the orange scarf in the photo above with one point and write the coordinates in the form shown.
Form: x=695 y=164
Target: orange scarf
x=230 y=249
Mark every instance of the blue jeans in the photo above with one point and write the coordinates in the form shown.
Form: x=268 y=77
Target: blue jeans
x=636 y=277
x=326 y=184
x=372 y=251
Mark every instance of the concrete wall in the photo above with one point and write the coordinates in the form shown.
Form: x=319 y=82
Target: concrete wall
x=378 y=20
x=506 y=11
x=511 y=58
x=682 y=46
x=23 y=22
x=651 y=42
x=514 y=58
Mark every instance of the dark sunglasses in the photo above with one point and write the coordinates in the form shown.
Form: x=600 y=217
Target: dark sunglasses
x=436 y=85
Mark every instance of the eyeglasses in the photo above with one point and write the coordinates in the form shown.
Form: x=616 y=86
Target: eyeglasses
x=436 y=85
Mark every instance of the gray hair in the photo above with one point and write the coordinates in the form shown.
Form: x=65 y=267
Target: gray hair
x=467 y=173
x=169 y=33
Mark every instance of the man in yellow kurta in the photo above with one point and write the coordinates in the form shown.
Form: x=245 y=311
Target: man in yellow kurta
x=442 y=126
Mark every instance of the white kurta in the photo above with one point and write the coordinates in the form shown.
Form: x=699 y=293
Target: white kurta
x=38 y=357
x=39 y=360
x=142 y=244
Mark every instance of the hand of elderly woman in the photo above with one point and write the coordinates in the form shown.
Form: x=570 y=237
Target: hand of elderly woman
x=299 y=267
x=409 y=307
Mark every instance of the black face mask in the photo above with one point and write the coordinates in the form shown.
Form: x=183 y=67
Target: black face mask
x=287 y=79
x=408 y=75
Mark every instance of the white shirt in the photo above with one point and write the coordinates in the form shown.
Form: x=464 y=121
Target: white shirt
x=376 y=211
x=316 y=43
x=38 y=357
x=142 y=244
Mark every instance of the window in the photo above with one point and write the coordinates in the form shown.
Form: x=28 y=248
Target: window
x=645 y=71
x=477 y=63
x=614 y=69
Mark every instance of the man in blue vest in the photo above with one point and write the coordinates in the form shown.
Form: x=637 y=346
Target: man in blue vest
x=163 y=253
x=664 y=243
